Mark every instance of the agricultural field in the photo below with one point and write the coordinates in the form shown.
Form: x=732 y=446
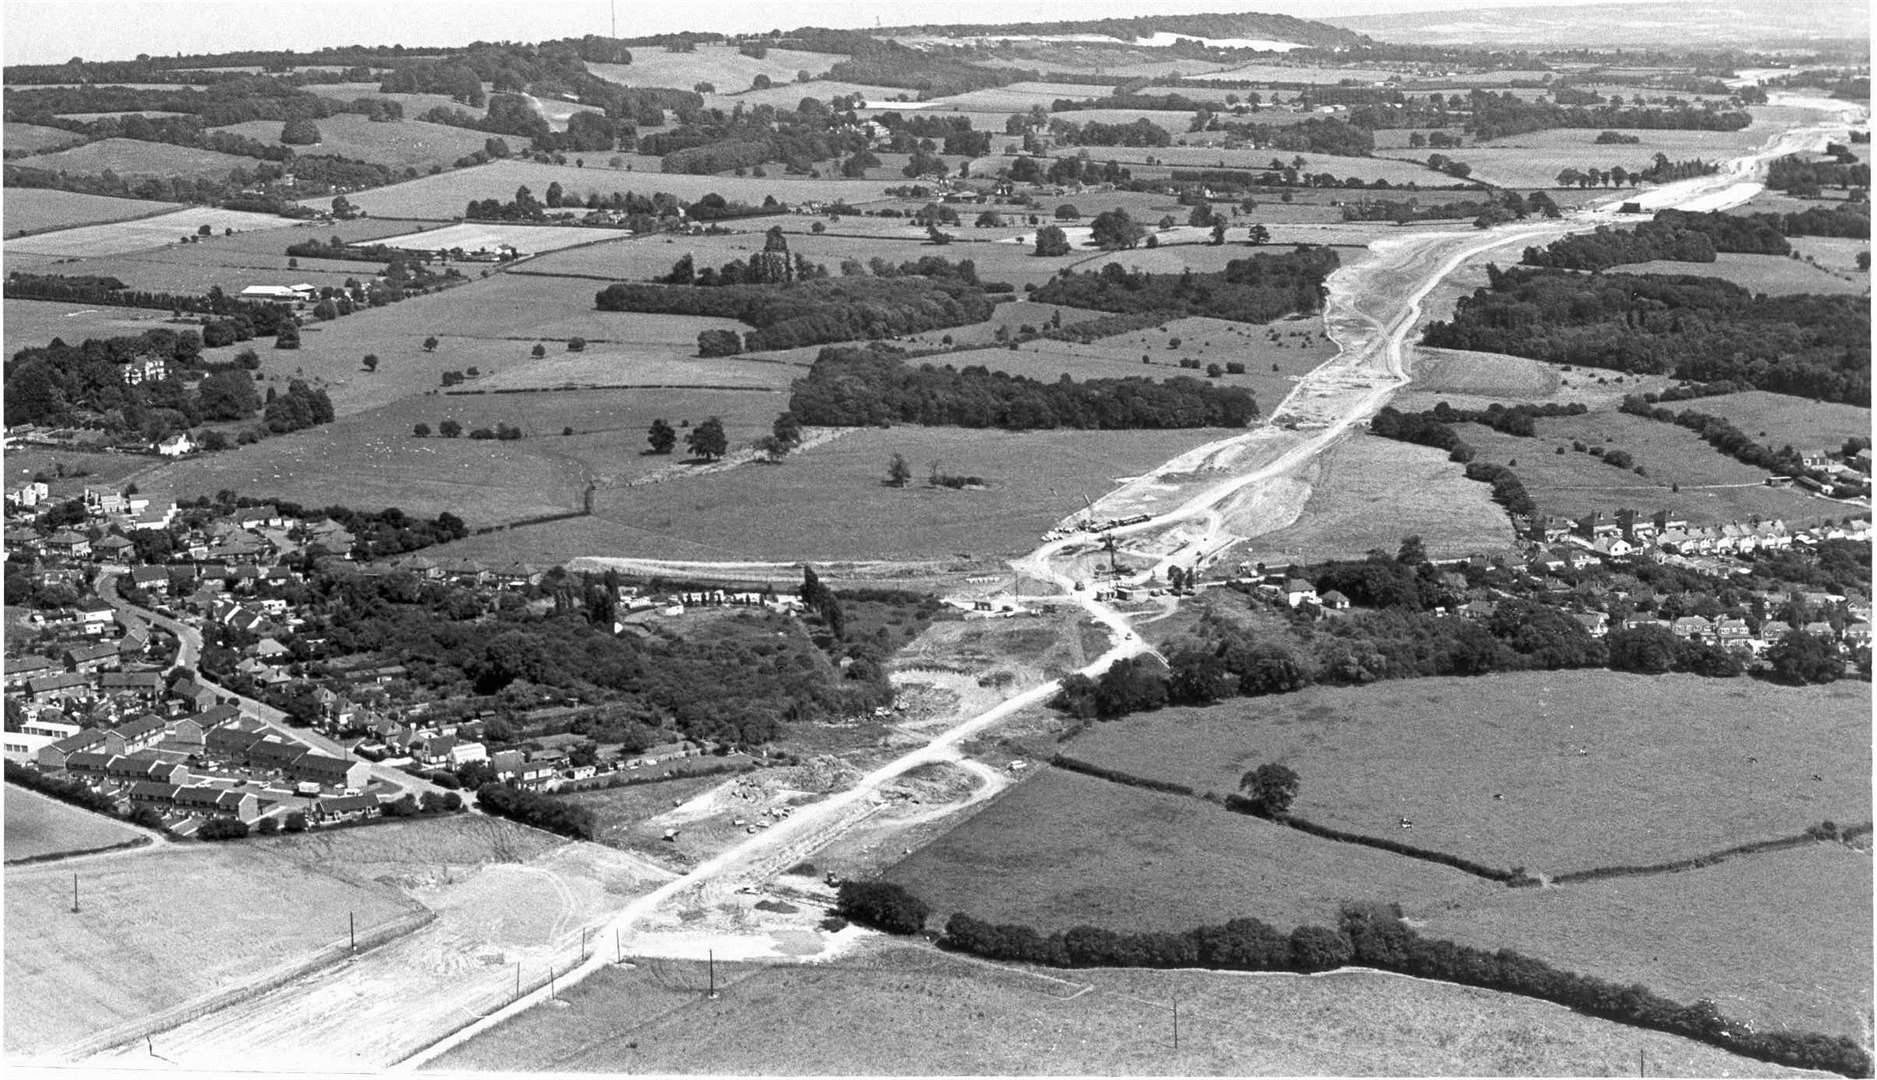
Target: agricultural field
x=36 y=139
x=721 y=65
x=159 y=927
x=1771 y=274
x=1641 y=750
x=949 y=1015
x=37 y=322
x=844 y=480
x=197 y=267
x=119 y=237
x=1797 y=956
x=372 y=460
x=1482 y=374
x=1715 y=488
x=37 y=210
x=489 y=234
x=67 y=472
x=1061 y=850
x=1297 y=73
x=1781 y=419
x=401 y=144
x=1021 y=96
x=132 y=158
x=704 y=516
x=1534 y=160
x=1368 y=493
x=1834 y=254
x=415 y=105
x=38 y=826
x=443 y=197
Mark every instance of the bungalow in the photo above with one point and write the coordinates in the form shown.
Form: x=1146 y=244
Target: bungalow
x=345 y=808
x=141 y=732
x=1595 y=623
x=151 y=579
x=506 y=763
x=1334 y=600
x=176 y=445
x=20 y=669
x=133 y=769
x=328 y=771
x=218 y=802
x=1298 y=591
x=67 y=542
x=65 y=684
x=194 y=695
x=1692 y=628
x=1479 y=610
x=1613 y=547
x=113 y=547
x=229 y=742
x=537 y=774
x=92 y=657
x=1858 y=633
x=272 y=753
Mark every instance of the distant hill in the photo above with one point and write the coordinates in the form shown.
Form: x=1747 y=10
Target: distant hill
x=1755 y=24
x=1221 y=26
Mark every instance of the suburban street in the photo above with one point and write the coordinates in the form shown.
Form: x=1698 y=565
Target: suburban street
x=189 y=652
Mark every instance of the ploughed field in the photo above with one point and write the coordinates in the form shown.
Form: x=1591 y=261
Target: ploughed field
x=948 y=1015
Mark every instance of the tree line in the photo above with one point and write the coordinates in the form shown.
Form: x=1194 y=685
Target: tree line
x=813 y=312
x=855 y=387
x=1257 y=289
x=1696 y=328
x=1673 y=235
x=1375 y=935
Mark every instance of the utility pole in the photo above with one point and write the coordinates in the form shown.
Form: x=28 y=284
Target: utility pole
x=617 y=958
x=583 y=943
x=517 y=978
x=74 y=894
x=614 y=8
x=1176 y=1024
x=351 y=923
x=711 y=959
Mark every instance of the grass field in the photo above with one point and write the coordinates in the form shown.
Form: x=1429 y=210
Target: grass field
x=33 y=210
x=415 y=105
x=160 y=927
x=37 y=322
x=119 y=237
x=1368 y=493
x=1835 y=254
x=1534 y=160
x=408 y=143
x=36 y=139
x=1781 y=939
x=1062 y=850
x=721 y=65
x=444 y=196
x=524 y=238
x=1779 y=419
x=370 y=459
x=831 y=501
x=1771 y=274
x=23 y=463
x=1676 y=766
x=1715 y=489
x=1495 y=375
x=947 y=1015
x=37 y=825
x=132 y=157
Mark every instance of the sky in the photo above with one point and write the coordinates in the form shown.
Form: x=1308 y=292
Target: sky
x=53 y=31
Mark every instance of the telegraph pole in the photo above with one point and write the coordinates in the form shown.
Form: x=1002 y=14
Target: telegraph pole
x=1176 y=1024
x=74 y=893
x=711 y=958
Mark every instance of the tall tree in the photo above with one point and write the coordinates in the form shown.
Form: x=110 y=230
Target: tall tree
x=662 y=436
x=707 y=440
